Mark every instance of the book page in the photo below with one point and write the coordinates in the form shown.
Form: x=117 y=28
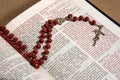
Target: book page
x=13 y=66
x=72 y=56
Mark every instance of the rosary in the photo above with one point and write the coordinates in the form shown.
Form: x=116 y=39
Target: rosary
x=45 y=37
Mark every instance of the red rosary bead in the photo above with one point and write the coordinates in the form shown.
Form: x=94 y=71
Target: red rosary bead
x=38 y=46
x=35 y=51
x=46 y=51
x=19 y=43
x=93 y=22
x=6 y=32
x=15 y=39
x=7 y=39
x=86 y=19
x=49 y=29
x=25 y=55
x=37 y=66
x=11 y=36
x=44 y=57
x=49 y=40
x=41 y=40
x=24 y=47
x=44 y=29
x=70 y=16
x=50 y=21
x=43 y=35
x=48 y=46
x=55 y=22
x=51 y=25
x=20 y=51
x=30 y=55
x=4 y=36
x=49 y=35
x=46 y=24
x=80 y=18
x=33 y=56
x=12 y=43
x=2 y=28
x=41 y=61
x=75 y=18
x=16 y=47
x=35 y=61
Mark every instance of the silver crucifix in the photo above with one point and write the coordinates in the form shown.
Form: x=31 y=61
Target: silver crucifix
x=97 y=34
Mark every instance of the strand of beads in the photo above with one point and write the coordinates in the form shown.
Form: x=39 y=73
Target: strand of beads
x=45 y=37
x=12 y=40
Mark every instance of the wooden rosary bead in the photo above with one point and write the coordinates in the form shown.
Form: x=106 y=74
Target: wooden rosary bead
x=49 y=40
x=70 y=16
x=51 y=25
x=55 y=22
x=93 y=22
x=46 y=51
x=44 y=29
x=37 y=66
x=24 y=47
x=19 y=43
x=49 y=30
x=36 y=61
x=12 y=43
x=35 y=51
x=46 y=24
x=4 y=36
x=86 y=19
x=11 y=36
x=80 y=18
x=50 y=21
x=34 y=56
x=38 y=46
x=41 y=61
x=20 y=51
x=75 y=18
x=48 y=46
x=15 y=39
x=7 y=39
x=43 y=35
x=25 y=55
x=44 y=57
x=6 y=32
x=2 y=28
x=49 y=35
x=41 y=40
x=16 y=47
x=30 y=55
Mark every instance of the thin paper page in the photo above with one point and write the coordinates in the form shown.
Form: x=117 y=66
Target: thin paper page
x=72 y=55
x=13 y=66
x=68 y=62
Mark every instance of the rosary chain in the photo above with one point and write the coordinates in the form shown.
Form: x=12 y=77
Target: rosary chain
x=45 y=37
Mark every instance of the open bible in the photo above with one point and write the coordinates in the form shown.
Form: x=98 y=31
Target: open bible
x=72 y=56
